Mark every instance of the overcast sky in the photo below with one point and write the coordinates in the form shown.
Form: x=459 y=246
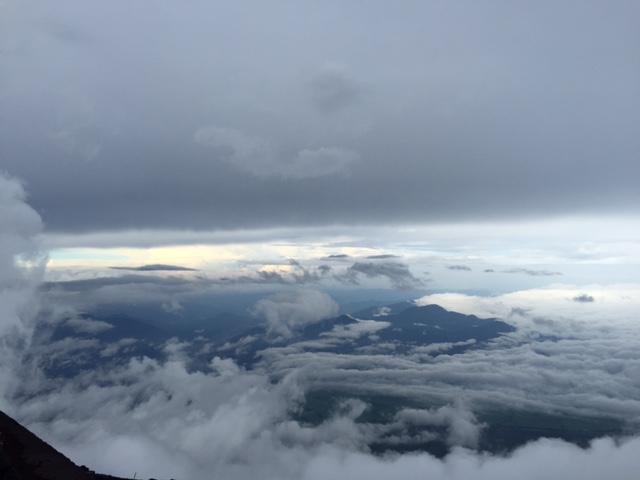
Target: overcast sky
x=221 y=115
x=458 y=133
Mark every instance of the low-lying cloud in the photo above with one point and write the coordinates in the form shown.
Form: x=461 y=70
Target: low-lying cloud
x=286 y=312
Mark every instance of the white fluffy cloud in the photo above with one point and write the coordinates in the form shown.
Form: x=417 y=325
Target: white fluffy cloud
x=160 y=420
x=20 y=269
x=549 y=459
x=286 y=312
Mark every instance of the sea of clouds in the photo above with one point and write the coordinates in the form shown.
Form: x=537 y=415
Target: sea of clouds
x=575 y=351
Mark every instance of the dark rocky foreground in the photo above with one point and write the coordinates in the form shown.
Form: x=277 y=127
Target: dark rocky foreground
x=23 y=456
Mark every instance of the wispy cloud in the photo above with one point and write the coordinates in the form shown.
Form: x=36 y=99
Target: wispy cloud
x=462 y=268
x=157 y=267
x=533 y=273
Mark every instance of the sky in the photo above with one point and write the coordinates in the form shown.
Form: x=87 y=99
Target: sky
x=479 y=155
x=474 y=131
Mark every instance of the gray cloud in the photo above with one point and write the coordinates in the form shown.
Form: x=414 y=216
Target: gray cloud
x=584 y=298
x=463 y=268
x=533 y=273
x=158 y=285
x=87 y=325
x=333 y=89
x=297 y=275
x=289 y=311
x=129 y=283
x=113 y=147
x=523 y=312
x=260 y=156
x=324 y=269
x=102 y=282
x=156 y=268
x=398 y=274
x=253 y=154
x=320 y=162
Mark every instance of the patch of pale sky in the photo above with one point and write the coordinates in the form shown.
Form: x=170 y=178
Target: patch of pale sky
x=612 y=304
x=583 y=250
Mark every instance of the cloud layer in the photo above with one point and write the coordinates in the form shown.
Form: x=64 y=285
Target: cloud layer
x=161 y=418
x=176 y=120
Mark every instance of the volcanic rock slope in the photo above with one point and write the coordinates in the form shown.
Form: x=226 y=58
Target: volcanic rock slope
x=24 y=456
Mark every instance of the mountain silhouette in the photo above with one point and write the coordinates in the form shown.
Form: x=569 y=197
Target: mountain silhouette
x=24 y=456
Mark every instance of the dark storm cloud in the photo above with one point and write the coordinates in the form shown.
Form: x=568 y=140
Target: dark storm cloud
x=584 y=298
x=533 y=273
x=421 y=113
x=156 y=268
x=382 y=256
x=397 y=273
x=336 y=256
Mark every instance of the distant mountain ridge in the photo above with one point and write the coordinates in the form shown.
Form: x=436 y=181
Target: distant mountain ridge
x=404 y=326
x=93 y=344
x=90 y=342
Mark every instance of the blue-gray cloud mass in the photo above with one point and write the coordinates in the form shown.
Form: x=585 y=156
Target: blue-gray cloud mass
x=221 y=116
